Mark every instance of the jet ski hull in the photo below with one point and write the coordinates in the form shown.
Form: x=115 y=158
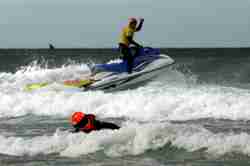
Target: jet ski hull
x=135 y=79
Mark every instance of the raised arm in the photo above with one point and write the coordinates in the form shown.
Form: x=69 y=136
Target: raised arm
x=140 y=24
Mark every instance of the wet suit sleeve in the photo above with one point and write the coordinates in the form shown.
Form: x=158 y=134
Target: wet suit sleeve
x=140 y=26
x=129 y=35
x=106 y=125
x=130 y=39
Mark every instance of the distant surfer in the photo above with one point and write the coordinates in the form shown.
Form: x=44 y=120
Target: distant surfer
x=87 y=123
x=51 y=47
x=126 y=39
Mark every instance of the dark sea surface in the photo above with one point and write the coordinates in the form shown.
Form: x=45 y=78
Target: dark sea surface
x=196 y=113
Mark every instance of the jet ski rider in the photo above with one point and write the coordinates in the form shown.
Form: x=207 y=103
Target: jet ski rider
x=126 y=39
x=87 y=123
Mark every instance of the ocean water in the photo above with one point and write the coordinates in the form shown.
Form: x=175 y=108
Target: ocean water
x=196 y=113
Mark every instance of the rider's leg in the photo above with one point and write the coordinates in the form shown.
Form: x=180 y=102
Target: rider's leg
x=127 y=55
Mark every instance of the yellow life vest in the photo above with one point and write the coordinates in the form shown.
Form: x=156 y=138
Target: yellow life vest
x=126 y=32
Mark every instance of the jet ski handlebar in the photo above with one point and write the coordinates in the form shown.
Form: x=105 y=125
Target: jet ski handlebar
x=149 y=50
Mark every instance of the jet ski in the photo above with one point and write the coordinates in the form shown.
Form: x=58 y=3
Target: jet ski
x=148 y=63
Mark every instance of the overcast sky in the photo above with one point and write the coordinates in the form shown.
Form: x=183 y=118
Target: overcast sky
x=97 y=23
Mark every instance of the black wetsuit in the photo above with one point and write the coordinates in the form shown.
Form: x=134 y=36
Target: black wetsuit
x=97 y=125
x=106 y=125
x=127 y=56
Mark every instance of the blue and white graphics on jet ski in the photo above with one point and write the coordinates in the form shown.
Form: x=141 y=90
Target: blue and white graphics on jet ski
x=147 y=64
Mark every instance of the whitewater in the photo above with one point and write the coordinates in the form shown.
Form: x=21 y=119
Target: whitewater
x=172 y=120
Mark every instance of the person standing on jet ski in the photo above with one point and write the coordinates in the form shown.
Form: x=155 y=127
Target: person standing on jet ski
x=87 y=123
x=126 y=39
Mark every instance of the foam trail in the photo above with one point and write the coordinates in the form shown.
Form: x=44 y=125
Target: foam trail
x=35 y=74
